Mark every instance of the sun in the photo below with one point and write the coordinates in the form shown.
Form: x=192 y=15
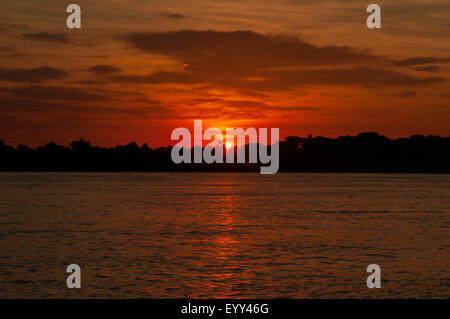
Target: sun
x=227 y=145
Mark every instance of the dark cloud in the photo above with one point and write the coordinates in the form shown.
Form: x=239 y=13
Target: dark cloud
x=357 y=76
x=7 y=49
x=67 y=94
x=231 y=51
x=252 y=93
x=281 y=80
x=47 y=37
x=159 y=77
x=17 y=105
x=431 y=68
x=175 y=15
x=406 y=94
x=248 y=60
x=104 y=69
x=420 y=60
x=54 y=93
x=35 y=75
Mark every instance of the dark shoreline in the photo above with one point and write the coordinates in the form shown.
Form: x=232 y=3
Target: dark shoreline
x=363 y=153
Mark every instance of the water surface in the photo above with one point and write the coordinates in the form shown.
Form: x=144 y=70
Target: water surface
x=169 y=235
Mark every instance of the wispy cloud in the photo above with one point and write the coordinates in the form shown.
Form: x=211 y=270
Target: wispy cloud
x=48 y=37
x=420 y=60
x=175 y=15
x=104 y=69
x=34 y=75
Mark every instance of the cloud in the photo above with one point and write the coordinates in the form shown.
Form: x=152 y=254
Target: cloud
x=16 y=105
x=245 y=49
x=288 y=79
x=158 y=78
x=430 y=68
x=208 y=108
x=357 y=76
x=104 y=69
x=47 y=37
x=54 y=93
x=248 y=60
x=406 y=94
x=420 y=60
x=35 y=75
x=7 y=49
x=77 y=94
x=175 y=15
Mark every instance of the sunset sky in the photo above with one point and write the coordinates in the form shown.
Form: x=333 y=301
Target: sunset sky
x=137 y=69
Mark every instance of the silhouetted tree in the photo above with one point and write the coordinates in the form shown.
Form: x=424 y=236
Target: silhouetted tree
x=80 y=145
x=366 y=152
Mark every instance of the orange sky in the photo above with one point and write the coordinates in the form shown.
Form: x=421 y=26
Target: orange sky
x=139 y=69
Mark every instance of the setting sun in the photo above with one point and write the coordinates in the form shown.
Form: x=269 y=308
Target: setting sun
x=227 y=145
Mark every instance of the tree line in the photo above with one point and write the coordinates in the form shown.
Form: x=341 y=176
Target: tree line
x=365 y=152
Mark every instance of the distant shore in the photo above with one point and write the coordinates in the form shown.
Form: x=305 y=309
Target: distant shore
x=363 y=153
